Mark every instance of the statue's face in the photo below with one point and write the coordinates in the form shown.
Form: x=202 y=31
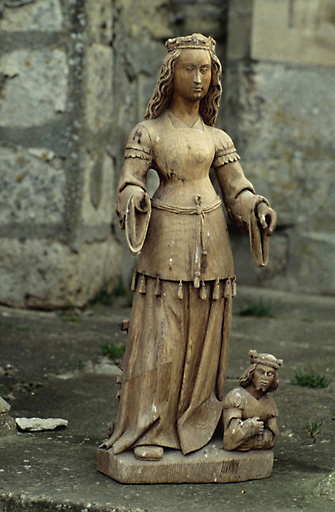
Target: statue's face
x=263 y=377
x=192 y=76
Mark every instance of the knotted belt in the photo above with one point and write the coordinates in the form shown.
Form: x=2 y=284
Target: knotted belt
x=200 y=211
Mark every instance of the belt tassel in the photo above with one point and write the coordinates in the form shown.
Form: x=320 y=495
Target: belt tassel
x=142 y=286
x=180 y=292
x=158 y=291
x=203 y=293
x=216 y=290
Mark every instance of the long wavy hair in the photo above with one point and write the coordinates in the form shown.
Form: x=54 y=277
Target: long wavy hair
x=162 y=95
x=247 y=377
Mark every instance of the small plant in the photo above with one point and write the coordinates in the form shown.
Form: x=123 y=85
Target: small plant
x=112 y=350
x=79 y=366
x=69 y=315
x=108 y=298
x=23 y=328
x=310 y=379
x=258 y=308
x=313 y=429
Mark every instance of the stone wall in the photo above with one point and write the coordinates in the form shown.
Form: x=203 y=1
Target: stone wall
x=57 y=173
x=279 y=105
x=75 y=77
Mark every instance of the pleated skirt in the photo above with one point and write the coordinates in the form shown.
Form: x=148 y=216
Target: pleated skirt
x=175 y=365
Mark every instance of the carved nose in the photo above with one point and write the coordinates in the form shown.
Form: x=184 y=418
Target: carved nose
x=197 y=78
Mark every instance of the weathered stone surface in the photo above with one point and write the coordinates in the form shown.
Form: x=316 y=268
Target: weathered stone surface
x=35 y=88
x=240 y=25
x=211 y=464
x=100 y=21
x=97 y=204
x=326 y=487
x=139 y=15
x=284 y=133
x=274 y=274
x=36 y=15
x=314 y=260
x=294 y=31
x=274 y=110
x=99 y=87
x=7 y=424
x=32 y=187
x=51 y=275
x=4 y=406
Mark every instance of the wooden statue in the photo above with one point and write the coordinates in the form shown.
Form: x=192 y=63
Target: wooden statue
x=249 y=414
x=175 y=363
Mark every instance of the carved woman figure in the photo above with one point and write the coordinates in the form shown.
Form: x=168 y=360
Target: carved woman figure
x=176 y=356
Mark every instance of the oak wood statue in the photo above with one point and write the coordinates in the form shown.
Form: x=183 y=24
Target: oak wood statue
x=249 y=414
x=175 y=363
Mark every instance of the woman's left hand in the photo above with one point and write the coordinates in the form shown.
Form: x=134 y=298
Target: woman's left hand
x=267 y=217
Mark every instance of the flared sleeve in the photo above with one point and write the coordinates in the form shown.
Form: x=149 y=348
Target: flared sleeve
x=239 y=196
x=133 y=205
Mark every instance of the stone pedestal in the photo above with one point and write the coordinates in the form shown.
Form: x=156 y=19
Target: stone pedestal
x=211 y=464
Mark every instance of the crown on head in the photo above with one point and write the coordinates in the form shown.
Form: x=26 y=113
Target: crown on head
x=194 y=41
x=267 y=359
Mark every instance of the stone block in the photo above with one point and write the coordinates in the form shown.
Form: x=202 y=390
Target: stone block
x=314 y=260
x=46 y=274
x=211 y=464
x=302 y=196
x=246 y=270
x=284 y=134
x=100 y=21
x=239 y=33
x=99 y=102
x=294 y=31
x=35 y=87
x=139 y=18
x=39 y=15
x=209 y=16
x=7 y=424
x=273 y=110
x=32 y=187
x=98 y=195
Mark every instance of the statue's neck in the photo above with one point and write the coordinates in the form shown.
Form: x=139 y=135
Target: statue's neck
x=256 y=393
x=186 y=111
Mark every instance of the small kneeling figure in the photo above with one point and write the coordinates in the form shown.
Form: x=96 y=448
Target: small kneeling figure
x=249 y=414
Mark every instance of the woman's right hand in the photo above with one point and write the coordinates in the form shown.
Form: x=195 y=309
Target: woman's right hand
x=138 y=197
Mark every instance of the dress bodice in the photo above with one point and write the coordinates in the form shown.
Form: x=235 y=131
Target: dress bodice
x=183 y=156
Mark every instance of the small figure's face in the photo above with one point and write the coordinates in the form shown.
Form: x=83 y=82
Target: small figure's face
x=263 y=377
x=192 y=76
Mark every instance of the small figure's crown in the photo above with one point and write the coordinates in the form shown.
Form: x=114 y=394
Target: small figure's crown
x=267 y=359
x=194 y=42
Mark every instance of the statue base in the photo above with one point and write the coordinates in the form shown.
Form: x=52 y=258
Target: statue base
x=211 y=464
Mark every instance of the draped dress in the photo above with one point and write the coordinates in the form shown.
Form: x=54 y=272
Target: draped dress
x=177 y=348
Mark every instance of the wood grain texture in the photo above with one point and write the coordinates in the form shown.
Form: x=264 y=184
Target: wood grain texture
x=211 y=464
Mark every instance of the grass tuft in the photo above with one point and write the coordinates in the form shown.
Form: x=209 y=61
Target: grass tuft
x=313 y=429
x=69 y=315
x=112 y=350
x=310 y=379
x=259 y=308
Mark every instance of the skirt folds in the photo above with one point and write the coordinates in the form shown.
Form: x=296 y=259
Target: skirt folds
x=175 y=363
